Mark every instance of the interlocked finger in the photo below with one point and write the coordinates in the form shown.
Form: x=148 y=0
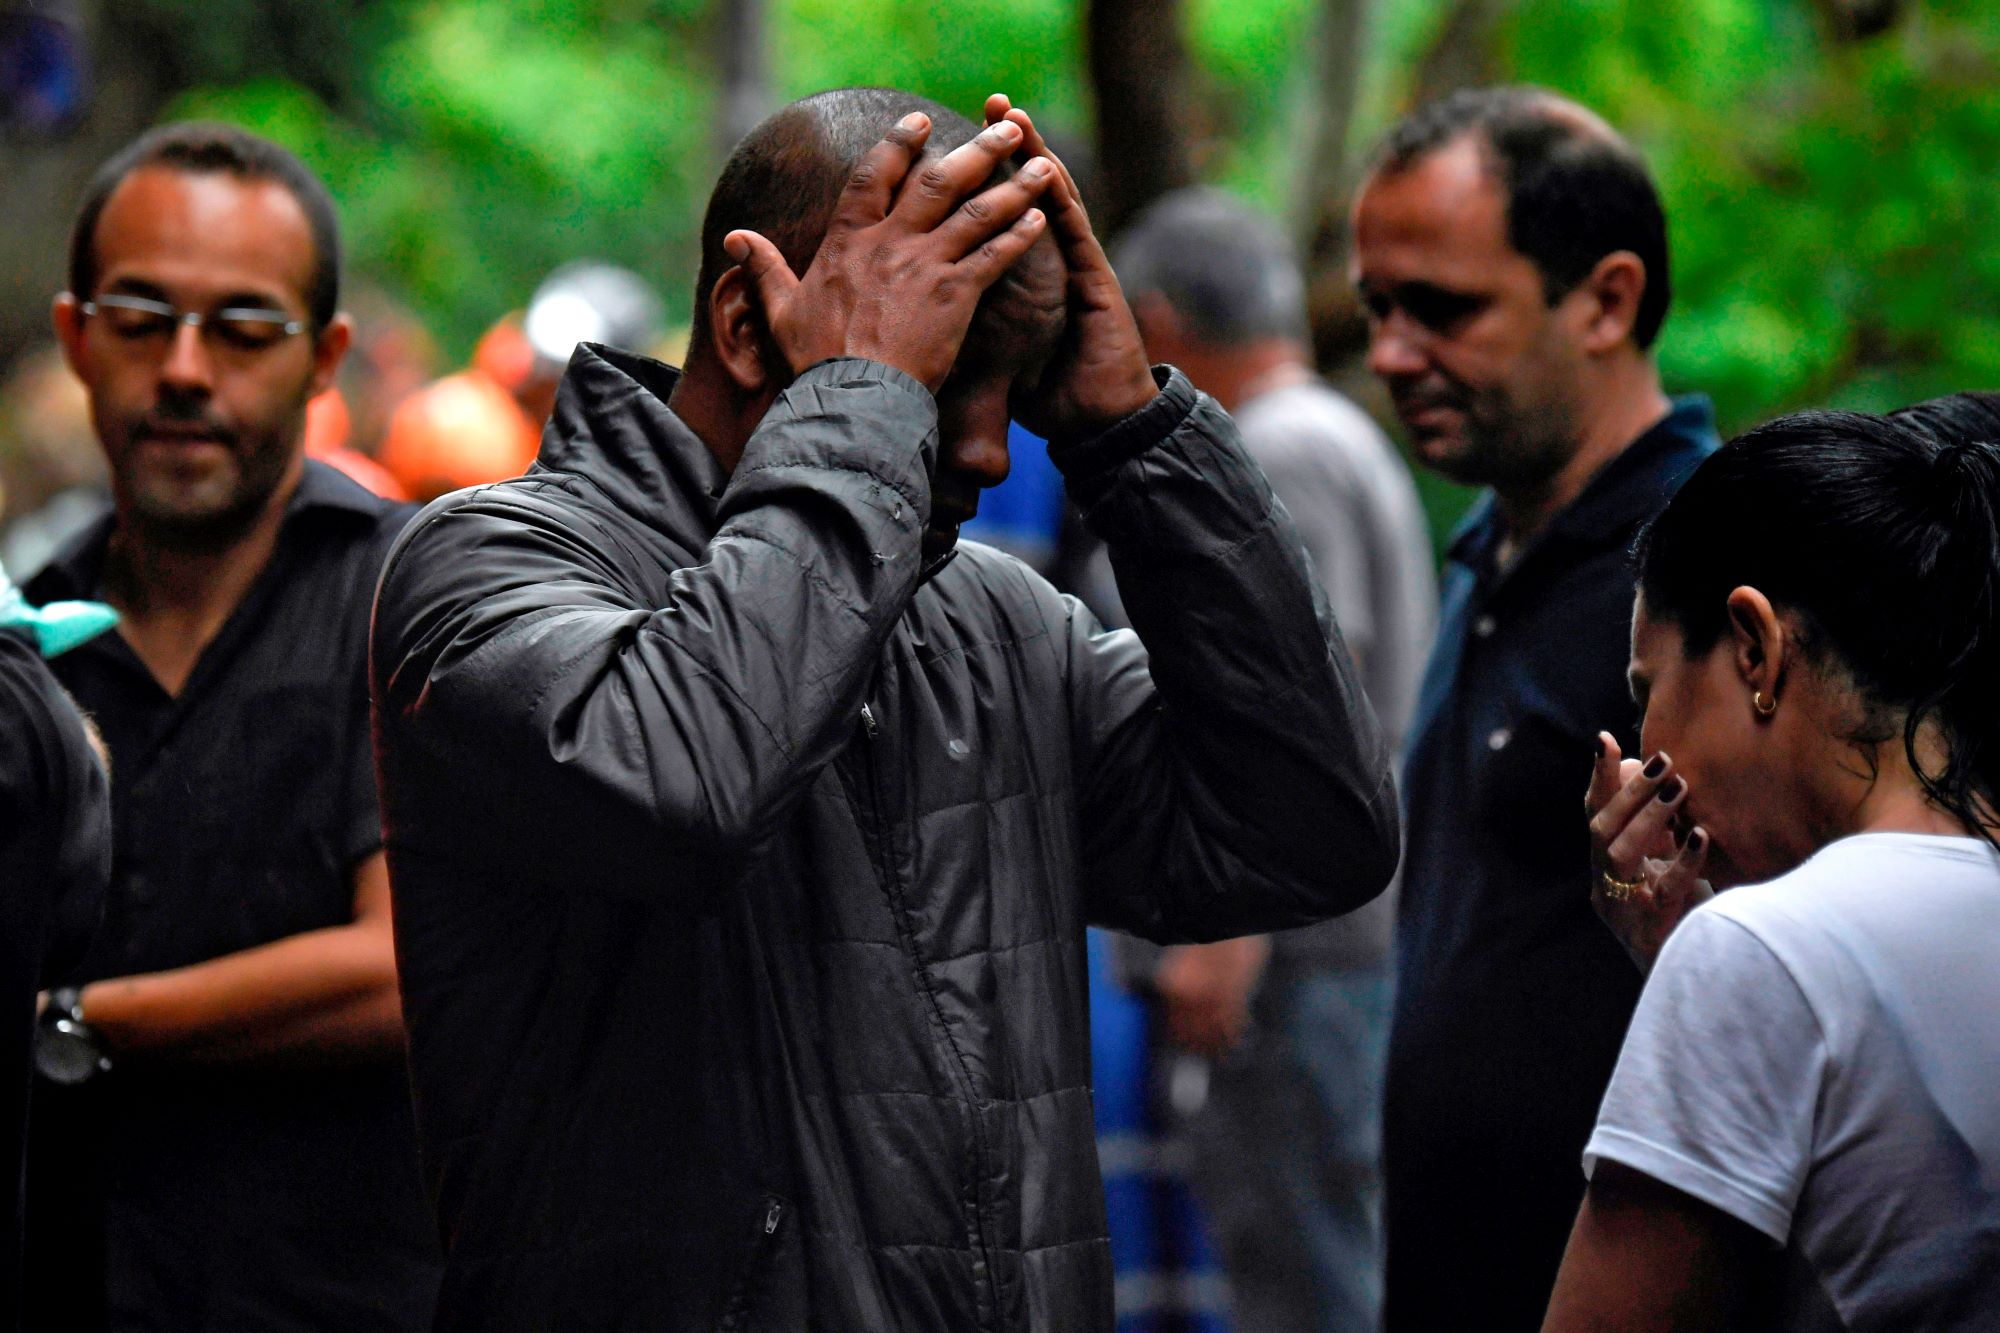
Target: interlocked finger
x=992 y=211
x=994 y=257
x=871 y=187
x=999 y=108
x=929 y=196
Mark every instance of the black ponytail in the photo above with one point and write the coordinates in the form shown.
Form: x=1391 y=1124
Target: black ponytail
x=1882 y=536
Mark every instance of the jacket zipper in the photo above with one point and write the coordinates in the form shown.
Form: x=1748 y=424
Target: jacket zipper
x=871 y=729
x=736 y=1315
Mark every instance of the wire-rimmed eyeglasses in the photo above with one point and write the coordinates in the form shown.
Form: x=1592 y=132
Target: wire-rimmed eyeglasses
x=244 y=328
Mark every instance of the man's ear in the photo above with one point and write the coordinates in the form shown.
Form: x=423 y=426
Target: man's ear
x=1614 y=288
x=1760 y=644
x=67 y=316
x=736 y=331
x=329 y=348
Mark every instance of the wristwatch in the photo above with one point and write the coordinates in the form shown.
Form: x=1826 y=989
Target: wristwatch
x=67 y=1050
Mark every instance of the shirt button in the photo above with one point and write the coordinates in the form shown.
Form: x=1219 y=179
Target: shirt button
x=1484 y=627
x=1499 y=738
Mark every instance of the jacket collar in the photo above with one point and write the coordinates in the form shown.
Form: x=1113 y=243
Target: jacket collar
x=612 y=424
x=1624 y=493
x=73 y=572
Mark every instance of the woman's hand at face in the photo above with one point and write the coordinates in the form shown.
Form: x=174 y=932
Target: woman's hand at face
x=1643 y=881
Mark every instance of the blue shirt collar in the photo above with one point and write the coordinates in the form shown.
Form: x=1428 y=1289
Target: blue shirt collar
x=1624 y=492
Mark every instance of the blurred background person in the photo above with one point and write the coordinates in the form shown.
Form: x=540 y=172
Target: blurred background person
x=1285 y=1130
x=241 y=1153
x=55 y=858
x=485 y=422
x=1512 y=255
x=52 y=476
x=1803 y=1130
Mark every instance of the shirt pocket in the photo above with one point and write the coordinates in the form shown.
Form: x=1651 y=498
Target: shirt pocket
x=1536 y=769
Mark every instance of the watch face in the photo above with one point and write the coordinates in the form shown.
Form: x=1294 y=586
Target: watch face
x=66 y=1053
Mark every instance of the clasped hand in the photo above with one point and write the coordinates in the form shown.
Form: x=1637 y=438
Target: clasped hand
x=907 y=257
x=1644 y=880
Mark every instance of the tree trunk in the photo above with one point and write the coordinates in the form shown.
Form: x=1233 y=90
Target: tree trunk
x=1138 y=68
x=1858 y=20
x=46 y=176
x=1339 y=330
x=1464 y=53
x=746 y=71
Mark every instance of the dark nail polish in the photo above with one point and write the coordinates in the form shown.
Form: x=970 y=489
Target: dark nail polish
x=1672 y=791
x=1697 y=842
x=1597 y=746
x=1654 y=767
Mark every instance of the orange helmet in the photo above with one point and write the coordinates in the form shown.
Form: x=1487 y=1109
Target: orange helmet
x=464 y=430
x=327 y=428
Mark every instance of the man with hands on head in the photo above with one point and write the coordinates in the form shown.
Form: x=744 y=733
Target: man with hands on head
x=743 y=827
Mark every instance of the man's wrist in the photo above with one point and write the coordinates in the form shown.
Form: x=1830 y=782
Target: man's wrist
x=1088 y=461
x=849 y=369
x=1122 y=408
x=68 y=1051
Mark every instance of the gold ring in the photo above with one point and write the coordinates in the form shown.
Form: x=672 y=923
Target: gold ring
x=1620 y=890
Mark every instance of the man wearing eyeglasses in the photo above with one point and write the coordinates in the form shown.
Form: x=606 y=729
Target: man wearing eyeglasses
x=1512 y=254
x=222 y=1135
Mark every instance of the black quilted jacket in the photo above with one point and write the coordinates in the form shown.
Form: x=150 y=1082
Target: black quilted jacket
x=741 y=874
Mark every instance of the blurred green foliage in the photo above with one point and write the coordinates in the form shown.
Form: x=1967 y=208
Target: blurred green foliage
x=1831 y=206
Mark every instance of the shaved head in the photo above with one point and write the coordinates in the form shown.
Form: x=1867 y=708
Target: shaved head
x=785 y=176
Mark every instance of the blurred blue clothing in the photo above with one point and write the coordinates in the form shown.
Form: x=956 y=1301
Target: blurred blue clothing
x=1285 y=1151
x=1021 y=514
x=1168 y=1274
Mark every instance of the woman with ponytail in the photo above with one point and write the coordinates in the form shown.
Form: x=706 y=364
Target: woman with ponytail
x=1804 y=1128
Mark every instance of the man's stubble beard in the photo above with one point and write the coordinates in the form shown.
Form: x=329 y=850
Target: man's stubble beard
x=1505 y=446
x=214 y=513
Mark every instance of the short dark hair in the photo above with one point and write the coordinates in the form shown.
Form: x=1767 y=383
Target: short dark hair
x=1882 y=536
x=1226 y=269
x=1576 y=191
x=785 y=176
x=1957 y=416
x=201 y=148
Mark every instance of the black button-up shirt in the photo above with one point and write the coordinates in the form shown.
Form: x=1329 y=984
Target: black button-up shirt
x=240 y=1197
x=1512 y=997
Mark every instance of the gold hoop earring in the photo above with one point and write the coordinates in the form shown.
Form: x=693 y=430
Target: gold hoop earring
x=1764 y=707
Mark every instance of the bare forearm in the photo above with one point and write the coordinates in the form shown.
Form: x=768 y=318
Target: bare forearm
x=322 y=994
x=1646 y=1258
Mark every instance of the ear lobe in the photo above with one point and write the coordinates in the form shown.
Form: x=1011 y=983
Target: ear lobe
x=329 y=349
x=737 y=333
x=1616 y=285
x=67 y=315
x=1758 y=642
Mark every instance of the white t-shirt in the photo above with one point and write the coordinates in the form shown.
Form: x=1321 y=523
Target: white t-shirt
x=1819 y=1057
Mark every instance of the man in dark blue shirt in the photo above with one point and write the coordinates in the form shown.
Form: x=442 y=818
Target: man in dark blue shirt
x=1511 y=251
